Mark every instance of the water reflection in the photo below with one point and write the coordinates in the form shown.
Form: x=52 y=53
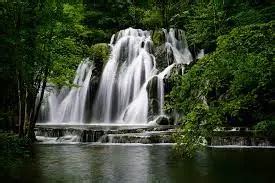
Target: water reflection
x=63 y=163
x=89 y=163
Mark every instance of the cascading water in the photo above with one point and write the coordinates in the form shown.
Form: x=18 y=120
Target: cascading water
x=177 y=46
x=68 y=105
x=161 y=86
x=130 y=65
x=122 y=95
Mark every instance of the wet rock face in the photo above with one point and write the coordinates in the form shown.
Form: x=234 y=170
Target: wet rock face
x=164 y=120
x=150 y=134
x=91 y=94
x=152 y=88
x=153 y=100
x=163 y=59
x=99 y=54
x=153 y=109
x=240 y=141
x=143 y=138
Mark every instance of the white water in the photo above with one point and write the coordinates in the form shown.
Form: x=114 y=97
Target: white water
x=122 y=95
x=178 y=47
x=68 y=105
x=161 y=76
x=130 y=65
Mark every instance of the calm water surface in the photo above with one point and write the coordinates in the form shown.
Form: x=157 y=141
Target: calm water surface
x=121 y=163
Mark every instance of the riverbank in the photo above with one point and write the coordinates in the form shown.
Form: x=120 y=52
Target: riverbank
x=12 y=145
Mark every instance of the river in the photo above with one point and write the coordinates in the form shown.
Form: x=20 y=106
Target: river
x=139 y=163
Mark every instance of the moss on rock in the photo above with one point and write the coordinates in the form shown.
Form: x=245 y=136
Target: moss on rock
x=99 y=52
x=158 y=37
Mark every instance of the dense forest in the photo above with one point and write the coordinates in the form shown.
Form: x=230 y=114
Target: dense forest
x=232 y=85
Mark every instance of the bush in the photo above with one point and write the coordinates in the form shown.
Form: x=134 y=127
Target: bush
x=99 y=52
x=265 y=128
x=231 y=86
x=152 y=19
x=12 y=144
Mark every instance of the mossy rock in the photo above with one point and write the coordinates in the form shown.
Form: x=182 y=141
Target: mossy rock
x=99 y=52
x=158 y=37
x=162 y=120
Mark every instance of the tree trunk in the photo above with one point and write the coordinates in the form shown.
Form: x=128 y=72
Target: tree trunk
x=26 y=119
x=21 y=106
x=36 y=110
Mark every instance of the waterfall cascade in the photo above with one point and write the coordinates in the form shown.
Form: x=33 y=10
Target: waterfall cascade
x=122 y=95
x=68 y=105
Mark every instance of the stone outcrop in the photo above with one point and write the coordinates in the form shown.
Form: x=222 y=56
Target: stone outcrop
x=99 y=54
x=152 y=89
x=149 y=134
x=164 y=120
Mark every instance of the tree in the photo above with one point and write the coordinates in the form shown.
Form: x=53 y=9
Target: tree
x=231 y=86
x=38 y=39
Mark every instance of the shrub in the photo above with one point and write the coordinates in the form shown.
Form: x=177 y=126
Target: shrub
x=265 y=128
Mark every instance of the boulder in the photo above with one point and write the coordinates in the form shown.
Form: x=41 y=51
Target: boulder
x=162 y=120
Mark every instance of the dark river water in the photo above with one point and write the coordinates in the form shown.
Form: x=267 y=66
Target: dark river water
x=139 y=163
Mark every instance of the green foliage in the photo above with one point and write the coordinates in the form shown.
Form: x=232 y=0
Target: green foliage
x=12 y=144
x=234 y=83
x=67 y=50
x=196 y=126
x=92 y=36
x=203 y=24
x=265 y=128
x=152 y=19
x=41 y=42
x=205 y=21
x=99 y=52
x=136 y=15
x=158 y=37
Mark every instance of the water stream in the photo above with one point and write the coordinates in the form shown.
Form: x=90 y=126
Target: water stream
x=68 y=104
x=122 y=95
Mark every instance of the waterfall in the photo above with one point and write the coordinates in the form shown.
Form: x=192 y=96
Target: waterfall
x=68 y=104
x=122 y=95
x=165 y=72
x=176 y=45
